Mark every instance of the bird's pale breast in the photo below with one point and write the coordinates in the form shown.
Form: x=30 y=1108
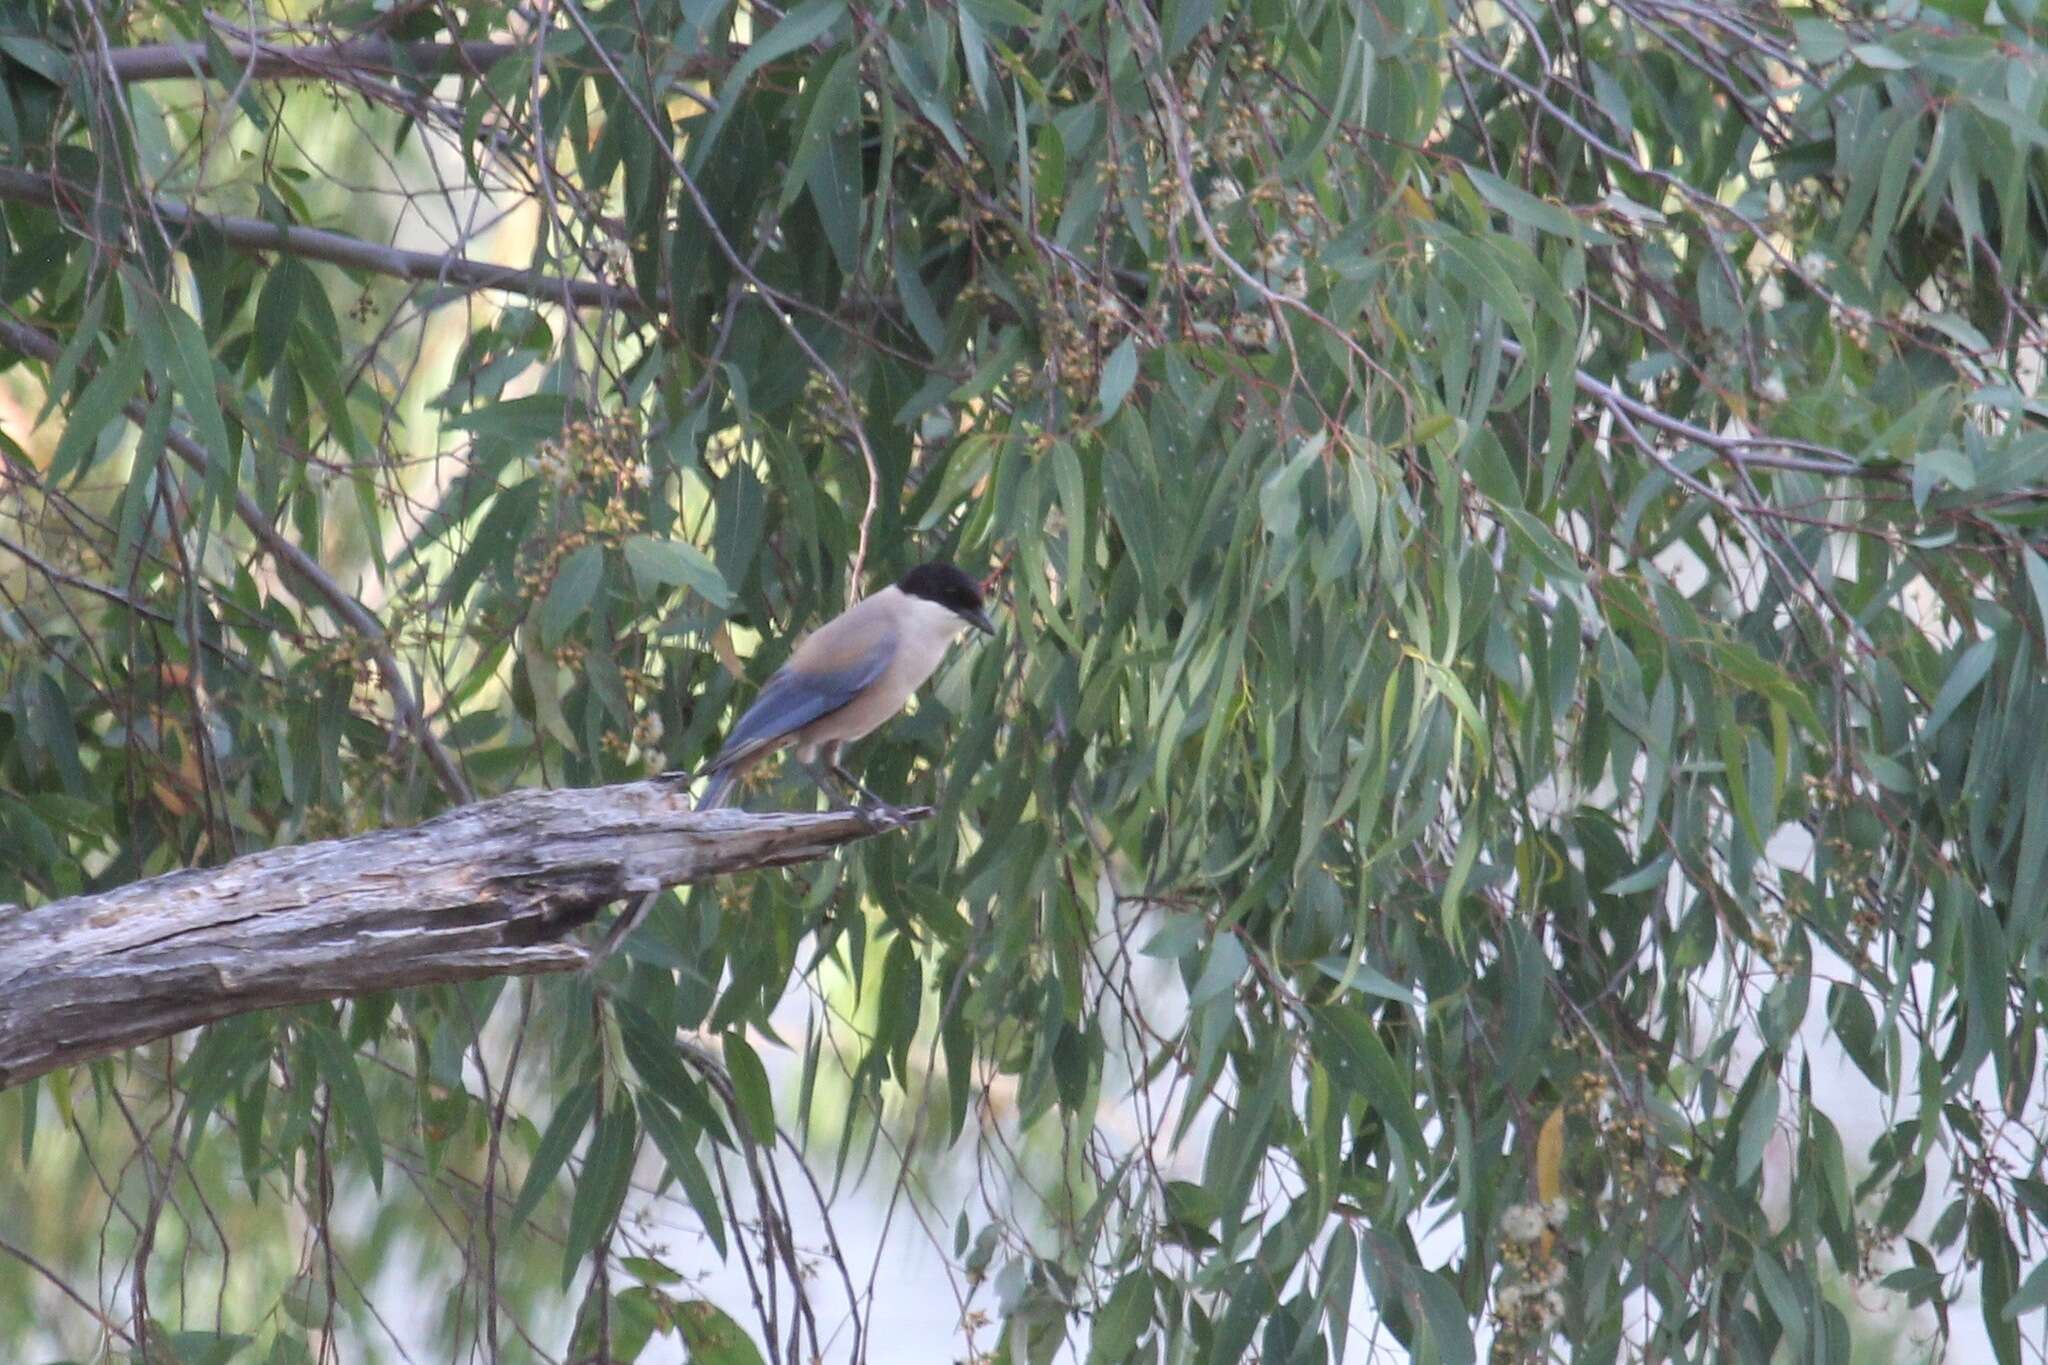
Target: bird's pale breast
x=922 y=632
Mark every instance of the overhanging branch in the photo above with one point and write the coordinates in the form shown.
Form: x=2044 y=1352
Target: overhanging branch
x=485 y=890
x=289 y=555
x=337 y=248
x=309 y=61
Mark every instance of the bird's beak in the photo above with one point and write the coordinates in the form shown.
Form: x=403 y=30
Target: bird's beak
x=979 y=620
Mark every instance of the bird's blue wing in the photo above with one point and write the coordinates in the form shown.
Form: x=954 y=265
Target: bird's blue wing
x=792 y=700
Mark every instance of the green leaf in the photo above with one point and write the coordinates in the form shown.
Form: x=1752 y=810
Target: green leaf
x=98 y=408
x=337 y=1066
x=1820 y=40
x=1652 y=873
x=2037 y=580
x=1523 y=207
x=917 y=78
x=601 y=1186
x=1759 y=1119
x=1359 y=975
x=277 y=309
x=1450 y=1326
x=1962 y=680
x=207 y=1348
x=1115 y=1330
x=1782 y=1294
x=1119 y=372
x=1224 y=967
x=650 y=1271
x=565 y=1127
x=1482 y=269
x=676 y=564
x=677 y=1144
x=1280 y=494
x=1991 y=1242
x=1372 y=1069
x=1177 y=937
x=177 y=352
x=712 y=1336
x=974 y=49
x=46 y=60
x=570 y=595
x=1986 y=972
x=2032 y=1294
x=1880 y=58
x=638 y=1312
x=286 y=1350
x=750 y=1086
x=516 y=425
x=830 y=108
x=837 y=184
x=1913 y=1280
x=653 y=1054
x=799 y=27
x=543 y=676
x=917 y=302
x=226 y=1053
x=1939 y=466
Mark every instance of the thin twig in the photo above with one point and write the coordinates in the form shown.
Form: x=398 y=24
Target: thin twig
x=105 y=1322
x=1737 y=450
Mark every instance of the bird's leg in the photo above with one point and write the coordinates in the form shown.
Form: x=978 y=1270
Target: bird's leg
x=872 y=805
x=819 y=779
x=853 y=784
x=827 y=777
x=624 y=925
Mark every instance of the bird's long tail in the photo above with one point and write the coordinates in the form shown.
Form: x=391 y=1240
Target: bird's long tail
x=718 y=791
x=621 y=927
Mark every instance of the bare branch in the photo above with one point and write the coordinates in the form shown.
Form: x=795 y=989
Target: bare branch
x=311 y=61
x=1737 y=450
x=106 y=1323
x=486 y=890
x=336 y=248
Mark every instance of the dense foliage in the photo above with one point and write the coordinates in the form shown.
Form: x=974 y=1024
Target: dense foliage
x=1509 y=811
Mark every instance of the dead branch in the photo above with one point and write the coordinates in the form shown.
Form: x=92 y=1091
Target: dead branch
x=485 y=890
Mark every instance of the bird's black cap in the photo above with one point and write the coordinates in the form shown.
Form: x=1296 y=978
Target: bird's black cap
x=946 y=585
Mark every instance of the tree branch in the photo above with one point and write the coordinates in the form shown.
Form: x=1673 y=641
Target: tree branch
x=288 y=555
x=336 y=248
x=310 y=61
x=1737 y=450
x=485 y=890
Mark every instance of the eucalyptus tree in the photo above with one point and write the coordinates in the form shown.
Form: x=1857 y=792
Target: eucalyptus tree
x=1509 y=811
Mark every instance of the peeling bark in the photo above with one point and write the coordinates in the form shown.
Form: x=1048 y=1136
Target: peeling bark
x=484 y=890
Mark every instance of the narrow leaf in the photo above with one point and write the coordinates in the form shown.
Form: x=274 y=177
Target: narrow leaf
x=570 y=1118
x=345 y=1087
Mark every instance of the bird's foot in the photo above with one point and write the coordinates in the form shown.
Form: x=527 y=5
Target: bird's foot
x=872 y=809
x=876 y=815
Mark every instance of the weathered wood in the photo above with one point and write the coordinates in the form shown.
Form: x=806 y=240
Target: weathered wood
x=485 y=890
